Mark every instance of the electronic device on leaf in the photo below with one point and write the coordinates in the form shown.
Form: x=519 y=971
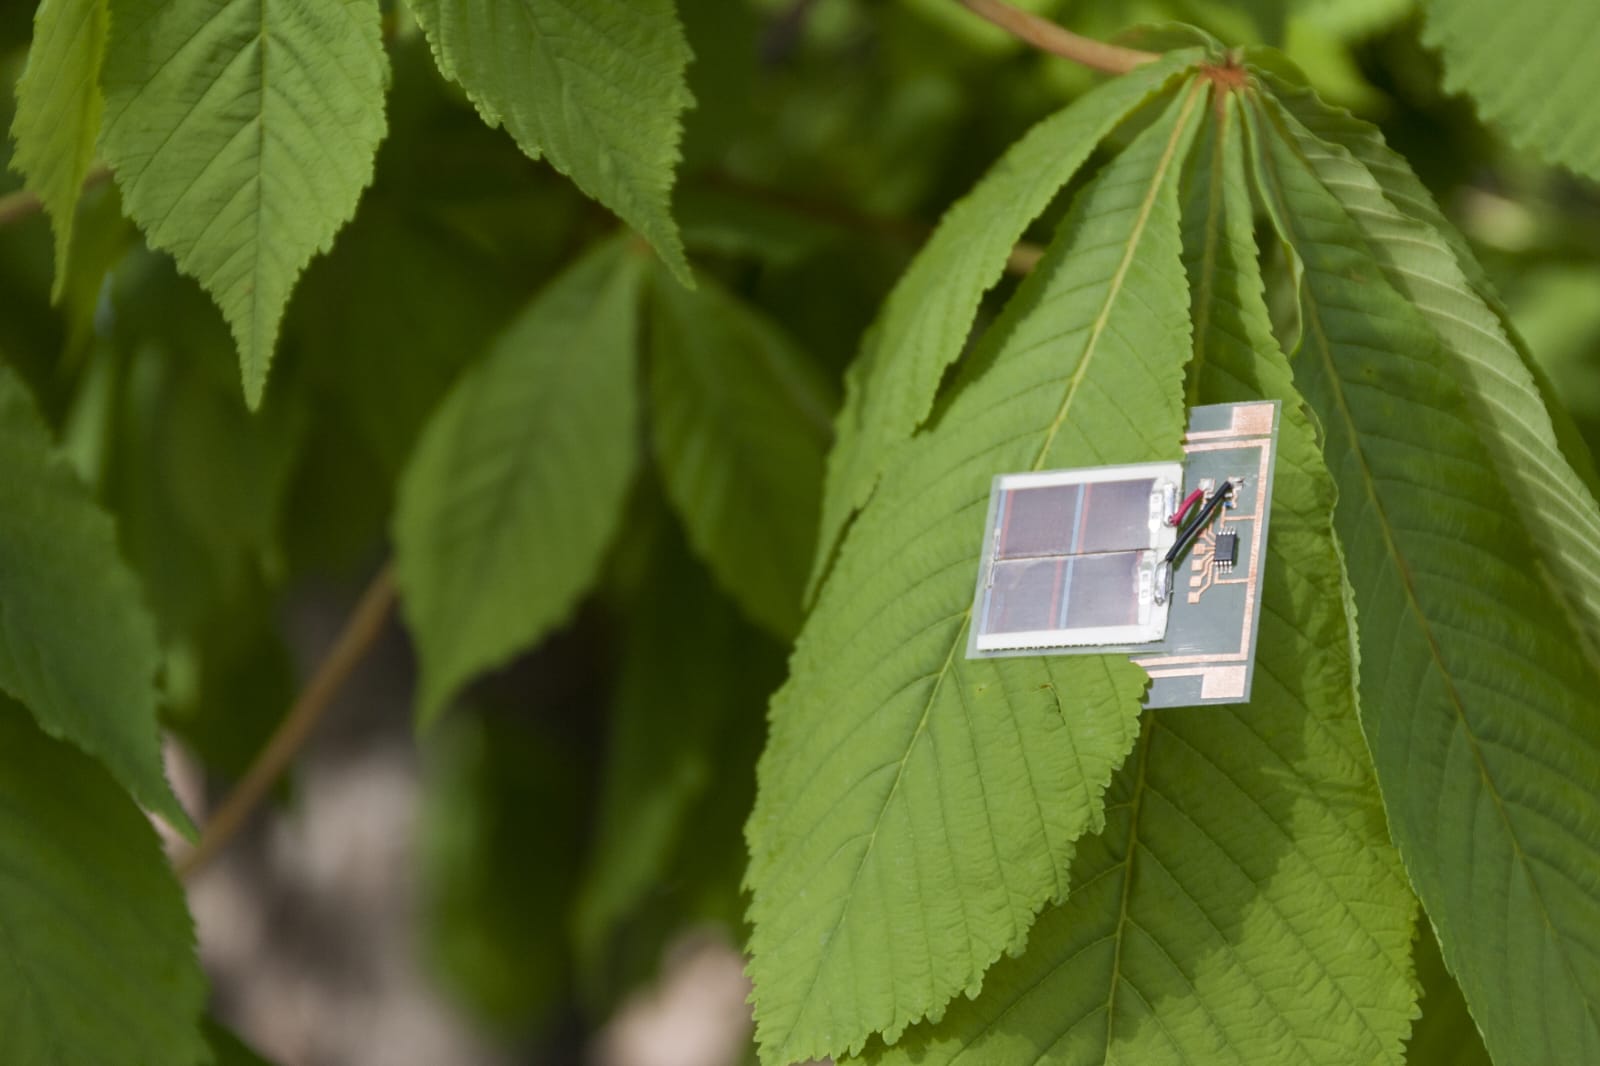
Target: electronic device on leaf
x=1162 y=561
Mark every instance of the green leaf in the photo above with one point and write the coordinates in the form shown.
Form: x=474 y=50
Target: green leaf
x=1527 y=67
x=1243 y=904
x=916 y=808
x=597 y=88
x=59 y=105
x=513 y=494
x=1551 y=499
x=1477 y=700
x=76 y=644
x=242 y=133
x=740 y=423
x=502 y=827
x=1445 y=1034
x=694 y=676
x=925 y=322
x=1406 y=192
x=97 y=959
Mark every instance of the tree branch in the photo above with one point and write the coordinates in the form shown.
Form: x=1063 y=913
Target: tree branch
x=16 y=206
x=1047 y=36
x=360 y=633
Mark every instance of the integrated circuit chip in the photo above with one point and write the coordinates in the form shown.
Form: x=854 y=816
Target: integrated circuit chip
x=1226 y=552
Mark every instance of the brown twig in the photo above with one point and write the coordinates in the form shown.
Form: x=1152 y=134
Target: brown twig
x=1023 y=258
x=1049 y=37
x=16 y=206
x=360 y=633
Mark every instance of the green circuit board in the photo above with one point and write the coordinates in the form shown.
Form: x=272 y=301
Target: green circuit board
x=1209 y=651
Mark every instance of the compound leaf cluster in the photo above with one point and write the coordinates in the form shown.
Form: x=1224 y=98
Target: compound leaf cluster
x=242 y=133
x=1390 y=855
x=872 y=904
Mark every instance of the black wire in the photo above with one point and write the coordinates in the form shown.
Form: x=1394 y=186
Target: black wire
x=1197 y=524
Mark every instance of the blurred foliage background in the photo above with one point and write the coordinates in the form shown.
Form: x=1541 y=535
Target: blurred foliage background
x=582 y=810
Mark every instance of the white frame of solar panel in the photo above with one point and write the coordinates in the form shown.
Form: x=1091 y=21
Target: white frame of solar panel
x=1152 y=624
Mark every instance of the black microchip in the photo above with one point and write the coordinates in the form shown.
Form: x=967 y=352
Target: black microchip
x=1227 y=551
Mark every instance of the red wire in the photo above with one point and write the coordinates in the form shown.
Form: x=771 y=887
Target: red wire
x=1188 y=502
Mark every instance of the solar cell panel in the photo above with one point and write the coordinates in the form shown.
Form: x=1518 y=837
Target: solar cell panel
x=1074 y=554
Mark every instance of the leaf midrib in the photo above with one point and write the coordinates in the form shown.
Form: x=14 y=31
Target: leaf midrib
x=258 y=333
x=1119 y=933
x=1205 y=291
x=1135 y=238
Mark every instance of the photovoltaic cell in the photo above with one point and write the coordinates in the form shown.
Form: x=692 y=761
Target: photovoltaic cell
x=1079 y=519
x=1063 y=592
x=1072 y=558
